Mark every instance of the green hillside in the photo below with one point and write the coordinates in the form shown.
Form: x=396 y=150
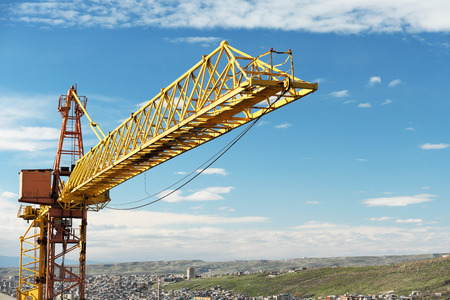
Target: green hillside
x=220 y=268
x=428 y=277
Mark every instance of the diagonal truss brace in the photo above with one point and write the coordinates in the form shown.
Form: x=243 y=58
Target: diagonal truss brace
x=225 y=90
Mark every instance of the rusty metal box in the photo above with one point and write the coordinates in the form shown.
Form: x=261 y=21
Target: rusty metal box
x=36 y=186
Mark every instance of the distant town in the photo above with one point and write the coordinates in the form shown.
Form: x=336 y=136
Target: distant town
x=154 y=287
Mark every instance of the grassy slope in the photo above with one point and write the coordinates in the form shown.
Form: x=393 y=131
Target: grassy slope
x=432 y=275
x=201 y=267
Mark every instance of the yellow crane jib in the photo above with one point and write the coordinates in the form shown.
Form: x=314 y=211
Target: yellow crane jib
x=225 y=90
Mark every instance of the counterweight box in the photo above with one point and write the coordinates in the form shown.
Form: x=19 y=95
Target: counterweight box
x=36 y=186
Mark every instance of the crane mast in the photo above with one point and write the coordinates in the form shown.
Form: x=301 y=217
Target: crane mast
x=223 y=91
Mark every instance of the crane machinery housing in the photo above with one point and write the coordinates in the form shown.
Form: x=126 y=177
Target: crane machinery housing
x=223 y=91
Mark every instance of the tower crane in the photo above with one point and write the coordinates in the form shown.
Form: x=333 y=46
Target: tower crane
x=223 y=91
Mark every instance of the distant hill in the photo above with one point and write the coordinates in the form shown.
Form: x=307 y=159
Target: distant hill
x=203 y=267
x=428 y=277
x=9 y=261
x=219 y=268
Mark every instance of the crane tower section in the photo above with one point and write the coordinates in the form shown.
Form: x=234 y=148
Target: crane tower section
x=223 y=91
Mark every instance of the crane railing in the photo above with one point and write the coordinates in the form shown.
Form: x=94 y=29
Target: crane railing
x=225 y=90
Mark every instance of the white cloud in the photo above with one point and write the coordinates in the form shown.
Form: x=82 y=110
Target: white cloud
x=12 y=227
x=28 y=138
x=197 y=207
x=374 y=80
x=226 y=208
x=283 y=126
x=399 y=200
x=170 y=236
x=14 y=136
x=203 y=41
x=361 y=159
x=409 y=128
x=319 y=80
x=313 y=202
x=380 y=219
x=16 y=107
x=340 y=94
x=409 y=221
x=434 y=146
x=208 y=194
x=365 y=105
x=341 y=16
x=9 y=195
x=140 y=104
x=394 y=82
x=426 y=188
x=165 y=241
x=316 y=225
x=210 y=171
x=180 y=173
x=387 y=101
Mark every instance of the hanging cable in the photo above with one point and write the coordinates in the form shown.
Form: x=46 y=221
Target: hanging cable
x=180 y=180
x=218 y=154
x=195 y=176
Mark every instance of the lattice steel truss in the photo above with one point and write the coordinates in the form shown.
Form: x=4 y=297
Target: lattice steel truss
x=225 y=90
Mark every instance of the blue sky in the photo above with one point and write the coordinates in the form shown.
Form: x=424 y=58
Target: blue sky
x=360 y=167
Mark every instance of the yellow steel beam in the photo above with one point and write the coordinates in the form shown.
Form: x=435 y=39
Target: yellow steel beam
x=94 y=126
x=223 y=91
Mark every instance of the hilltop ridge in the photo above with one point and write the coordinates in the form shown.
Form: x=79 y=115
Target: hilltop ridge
x=226 y=267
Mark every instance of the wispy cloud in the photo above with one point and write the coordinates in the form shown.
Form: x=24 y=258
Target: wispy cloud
x=409 y=221
x=365 y=105
x=341 y=16
x=429 y=146
x=319 y=80
x=213 y=171
x=394 y=82
x=197 y=207
x=12 y=226
x=9 y=195
x=387 y=101
x=202 y=40
x=28 y=138
x=399 y=200
x=313 y=202
x=380 y=219
x=340 y=94
x=409 y=129
x=316 y=225
x=15 y=109
x=262 y=123
x=283 y=126
x=361 y=159
x=374 y=80
x=208 y=194
x=226 y=208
